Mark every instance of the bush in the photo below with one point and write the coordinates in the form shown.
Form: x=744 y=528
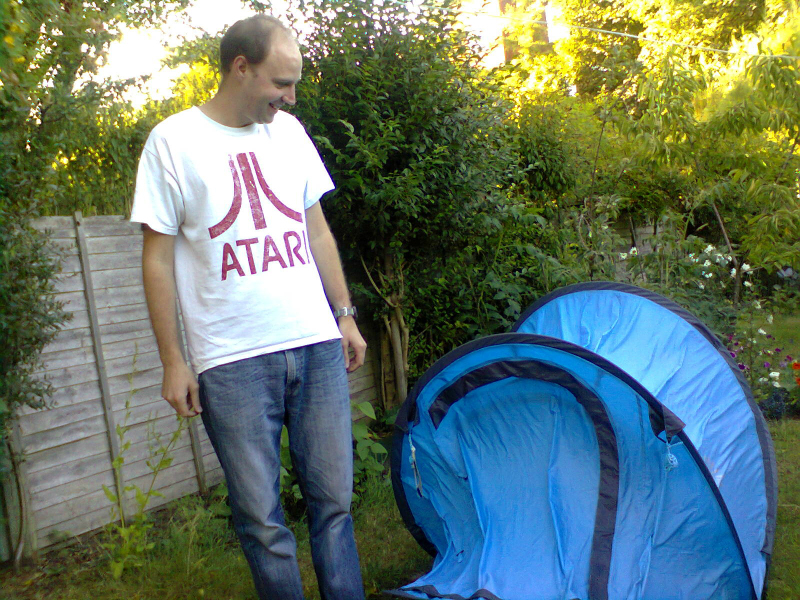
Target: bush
x=30 y=315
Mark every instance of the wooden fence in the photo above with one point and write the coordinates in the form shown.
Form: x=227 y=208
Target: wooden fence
x=106 y=375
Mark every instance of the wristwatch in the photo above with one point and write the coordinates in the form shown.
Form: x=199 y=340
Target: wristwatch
x=346 y=311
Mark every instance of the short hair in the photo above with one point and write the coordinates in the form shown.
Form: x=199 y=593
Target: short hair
x=251 y=38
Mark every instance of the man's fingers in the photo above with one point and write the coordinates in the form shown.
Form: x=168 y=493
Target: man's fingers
x=181 y=390
x=358 y=359
x=346 y=352
x=194 y=398
x=359 y=347
x=180 y=405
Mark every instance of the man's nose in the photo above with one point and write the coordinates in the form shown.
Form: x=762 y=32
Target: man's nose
x=289 y=96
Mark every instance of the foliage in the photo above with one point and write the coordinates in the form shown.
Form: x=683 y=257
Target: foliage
x=196 y=555
x=30 y=315
x=771 y=368
x=127 y=542
x=706 y=135
x=422 y=146
x=49 y=52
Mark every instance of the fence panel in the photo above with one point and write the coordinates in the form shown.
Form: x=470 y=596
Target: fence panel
x=106 y=376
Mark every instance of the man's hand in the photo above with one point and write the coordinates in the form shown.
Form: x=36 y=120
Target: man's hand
x=181 y=390
x=351 y=338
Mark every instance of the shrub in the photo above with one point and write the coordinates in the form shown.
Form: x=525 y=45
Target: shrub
x=30 y=315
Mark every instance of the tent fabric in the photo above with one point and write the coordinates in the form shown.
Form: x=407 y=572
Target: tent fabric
x=696 y=378
x=532 y=467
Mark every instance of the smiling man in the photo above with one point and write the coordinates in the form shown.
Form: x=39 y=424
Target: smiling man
x=228 y=194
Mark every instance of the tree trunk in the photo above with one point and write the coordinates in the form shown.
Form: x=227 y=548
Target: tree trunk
x=393 y=329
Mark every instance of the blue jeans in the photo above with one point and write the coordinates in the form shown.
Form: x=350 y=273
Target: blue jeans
x=245 y=405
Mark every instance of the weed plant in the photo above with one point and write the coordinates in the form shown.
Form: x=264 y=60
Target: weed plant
x=195 y=554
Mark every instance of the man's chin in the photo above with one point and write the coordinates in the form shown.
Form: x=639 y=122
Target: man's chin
x=267 y=118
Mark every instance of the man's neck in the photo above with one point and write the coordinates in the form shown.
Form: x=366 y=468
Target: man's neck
x=222 y=110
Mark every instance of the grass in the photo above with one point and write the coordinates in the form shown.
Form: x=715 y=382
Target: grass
x=197 y=556
x=784 y=581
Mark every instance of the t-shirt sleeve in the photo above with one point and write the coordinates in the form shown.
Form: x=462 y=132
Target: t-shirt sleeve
x=157 y=201
x=318 y=181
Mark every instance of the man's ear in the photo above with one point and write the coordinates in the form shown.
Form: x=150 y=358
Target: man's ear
x=239 y=66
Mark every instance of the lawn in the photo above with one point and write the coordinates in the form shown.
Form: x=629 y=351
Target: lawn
x=784 y=581
x=196 y=554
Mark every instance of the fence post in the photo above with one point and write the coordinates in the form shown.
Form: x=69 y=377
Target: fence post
x=105 y=391
x=27 y=521
x=194 y=434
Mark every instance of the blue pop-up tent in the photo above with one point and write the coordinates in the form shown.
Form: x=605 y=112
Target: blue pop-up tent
x=608 y=448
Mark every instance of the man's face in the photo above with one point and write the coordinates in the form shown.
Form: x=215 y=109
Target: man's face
x=271 y=84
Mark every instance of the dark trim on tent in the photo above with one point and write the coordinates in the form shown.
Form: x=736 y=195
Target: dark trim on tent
x=400 y=497
x=721 y=501
x=409 y=415
x=432 y=592
x=767 y=448
x=608 y=489
x=663 y=419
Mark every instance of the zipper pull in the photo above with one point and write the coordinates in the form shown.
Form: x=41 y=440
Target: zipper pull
x=417 y=478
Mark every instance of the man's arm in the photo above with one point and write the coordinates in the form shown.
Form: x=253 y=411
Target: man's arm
x=179 y=387
x=323 y=247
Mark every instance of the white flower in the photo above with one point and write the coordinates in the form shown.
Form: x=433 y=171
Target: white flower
x=700 y=285
x=729 y=258
x=708 y=275
x=762 y=380
x=757 y=304
x=733 y=272
x=691 y=254
x=775 y=375
x=769 y=319
x=707 y=263
x=634 y=251
x=761 y=331
x=709 y=249
x=623 y=256
x=748 y=284
x=776 y=384
x=746 y=268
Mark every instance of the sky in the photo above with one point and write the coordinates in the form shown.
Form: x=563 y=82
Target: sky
x=140 y=52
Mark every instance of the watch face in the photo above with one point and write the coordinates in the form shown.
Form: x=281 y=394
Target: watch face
x=346 y=311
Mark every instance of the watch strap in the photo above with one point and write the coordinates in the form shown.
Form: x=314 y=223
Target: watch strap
x=346 y=311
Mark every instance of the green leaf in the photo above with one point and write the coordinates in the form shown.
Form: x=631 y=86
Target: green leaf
x=360 y=431
x=116 y=568
x=112 y=497
x=367 y=409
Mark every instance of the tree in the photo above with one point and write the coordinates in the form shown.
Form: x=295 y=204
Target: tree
x=49 y=53
x=709 y=138
x=417 y=140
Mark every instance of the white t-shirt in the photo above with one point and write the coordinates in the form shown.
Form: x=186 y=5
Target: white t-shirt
x=235 y=199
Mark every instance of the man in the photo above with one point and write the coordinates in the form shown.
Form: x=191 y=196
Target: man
x=228 y=195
